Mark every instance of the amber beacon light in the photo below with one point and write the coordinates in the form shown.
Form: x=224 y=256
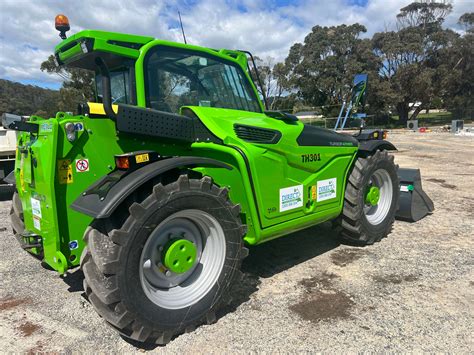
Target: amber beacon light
x=61 y=22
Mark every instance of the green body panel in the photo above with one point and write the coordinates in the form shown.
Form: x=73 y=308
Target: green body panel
x=70 y=48
x=262 y=175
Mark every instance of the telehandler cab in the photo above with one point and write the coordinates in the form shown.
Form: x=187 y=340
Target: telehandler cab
x=157 y=189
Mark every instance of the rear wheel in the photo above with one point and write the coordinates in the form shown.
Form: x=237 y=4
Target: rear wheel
x=169 y=266
x=370 y=200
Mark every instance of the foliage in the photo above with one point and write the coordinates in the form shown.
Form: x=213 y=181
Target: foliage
x=424 y=13
x=467 y=20
x=273 y=77
x=320 y=70
x=78 y=84
x=27 y=100
x=409 y=57
x=456 y=72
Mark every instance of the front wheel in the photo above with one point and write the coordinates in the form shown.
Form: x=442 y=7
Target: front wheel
x=168 y=266
x=370 y=199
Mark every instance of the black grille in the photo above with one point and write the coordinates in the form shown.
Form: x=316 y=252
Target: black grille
x=138 y=120
x=257 y=135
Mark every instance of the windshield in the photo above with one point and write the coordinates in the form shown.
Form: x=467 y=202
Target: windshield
x=176 y=78
x=119 y=86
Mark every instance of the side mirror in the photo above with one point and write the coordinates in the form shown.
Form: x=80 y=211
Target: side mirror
x=358 y=120
x=357 y=123
x=280 y=115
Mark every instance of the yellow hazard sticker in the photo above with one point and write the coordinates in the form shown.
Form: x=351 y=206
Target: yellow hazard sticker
x=65 y=171
x=313 y=192
x=142 y=158
x=22 y=180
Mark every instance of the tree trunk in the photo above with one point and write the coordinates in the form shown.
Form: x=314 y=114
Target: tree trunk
x=402 y=110
x=415 y=113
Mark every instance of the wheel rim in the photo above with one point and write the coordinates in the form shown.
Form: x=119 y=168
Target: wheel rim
x=378 y=197
x=174 y=287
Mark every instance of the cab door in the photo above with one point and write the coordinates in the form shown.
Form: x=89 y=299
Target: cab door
x=296 y=169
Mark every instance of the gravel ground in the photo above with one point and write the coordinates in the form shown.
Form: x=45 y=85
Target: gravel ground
x=413 y=291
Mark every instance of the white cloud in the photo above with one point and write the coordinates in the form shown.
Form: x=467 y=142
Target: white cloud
x=27 y=34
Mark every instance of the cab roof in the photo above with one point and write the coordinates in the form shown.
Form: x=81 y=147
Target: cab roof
x=80 y=49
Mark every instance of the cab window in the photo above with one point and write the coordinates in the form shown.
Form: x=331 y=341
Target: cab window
x=175 y=77
x=119 y=86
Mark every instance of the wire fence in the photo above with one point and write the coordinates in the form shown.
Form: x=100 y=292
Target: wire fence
x=387 y=121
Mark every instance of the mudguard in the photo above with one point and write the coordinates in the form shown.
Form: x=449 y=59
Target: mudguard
x=100 y=200
x=375 y=144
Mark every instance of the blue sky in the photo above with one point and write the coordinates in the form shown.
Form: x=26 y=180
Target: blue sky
x=267 y=28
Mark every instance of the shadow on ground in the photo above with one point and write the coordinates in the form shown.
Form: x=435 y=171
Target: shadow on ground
x=273 y=257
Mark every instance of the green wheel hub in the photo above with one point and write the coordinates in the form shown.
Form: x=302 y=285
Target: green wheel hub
x=179 y=255
x=373 y=196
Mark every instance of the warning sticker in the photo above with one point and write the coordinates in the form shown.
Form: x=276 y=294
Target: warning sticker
x=35 y=207
x=82 y=165
x=65 y=171
x=37 y=223
x=313 y=192
x=142 y=158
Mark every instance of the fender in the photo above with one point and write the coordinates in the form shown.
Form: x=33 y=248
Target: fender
x=98 y=203
x=375 y=144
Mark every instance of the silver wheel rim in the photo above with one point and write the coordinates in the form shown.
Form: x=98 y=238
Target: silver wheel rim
x=376 y=214
x=174 y=291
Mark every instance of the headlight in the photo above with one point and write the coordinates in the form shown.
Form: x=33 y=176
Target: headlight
x=70 y=131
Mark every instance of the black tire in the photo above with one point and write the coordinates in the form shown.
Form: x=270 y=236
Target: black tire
x=111 y=261
x=355 y=228
x=16 y=215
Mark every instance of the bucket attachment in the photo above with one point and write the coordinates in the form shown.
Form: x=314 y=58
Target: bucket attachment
x=414 y=203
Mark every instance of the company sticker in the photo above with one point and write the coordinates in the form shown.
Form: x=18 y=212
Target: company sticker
x=326 y=189
x=65 y=171
x=291 y=197
x=82 y=165
x=37 y=223
x=78 y=127
x=73 y=244
x=142 y=158
x=35 y=207
x=46 y=127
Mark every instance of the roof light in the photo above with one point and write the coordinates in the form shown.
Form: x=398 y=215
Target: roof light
x=61 y=22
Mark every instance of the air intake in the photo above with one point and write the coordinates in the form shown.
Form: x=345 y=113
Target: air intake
x=257 y=135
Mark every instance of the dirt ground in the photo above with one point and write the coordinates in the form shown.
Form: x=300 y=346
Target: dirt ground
x=413 y=291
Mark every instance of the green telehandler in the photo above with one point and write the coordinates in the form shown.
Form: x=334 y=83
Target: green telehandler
x=158 y=187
